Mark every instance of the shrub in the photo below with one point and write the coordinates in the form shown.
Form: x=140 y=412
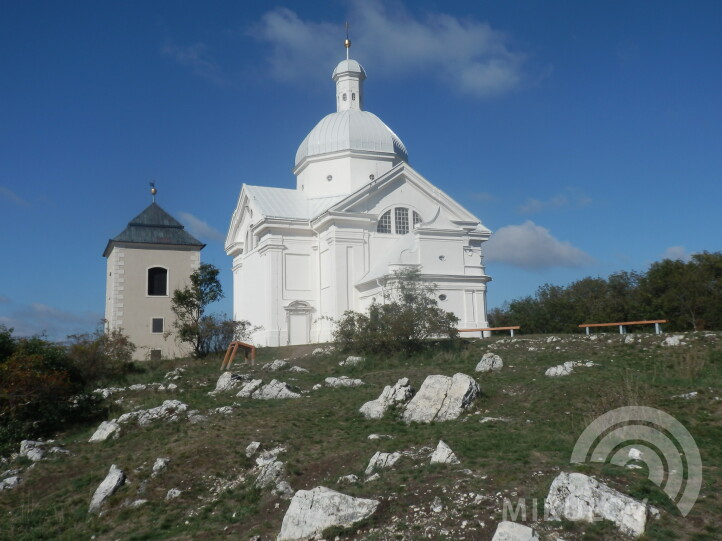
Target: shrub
x=100 y=357
x=217 y=331
x=41 y=390
x=407 y=319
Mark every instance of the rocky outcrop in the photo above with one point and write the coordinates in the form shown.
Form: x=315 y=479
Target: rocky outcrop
x=343 y=381
x=443 y=455
x=674 y=340
x=390 y=396
x=578 y=497
x=490 y=362
x=249 y=388
x=10 y=483
x=34 y=450
x=566 y=368
x=112 y=482
x=511 y=531
x=107 y=429
x=381 y=461
x=170 y=410
x=275 y=390
x=312 y=511
x=441 y=398
x=277 y=365
x=229 y=381
x=351 y=361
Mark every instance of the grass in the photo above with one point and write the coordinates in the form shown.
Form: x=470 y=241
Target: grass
x=326 y=438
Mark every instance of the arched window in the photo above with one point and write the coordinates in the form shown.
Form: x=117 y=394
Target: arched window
x=400 y=223
x=417 y=219
x=344 y=97
x=353 y=96
x=384 y=223
x=157 y=282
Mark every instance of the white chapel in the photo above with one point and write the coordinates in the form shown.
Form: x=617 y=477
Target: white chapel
x=302 y=257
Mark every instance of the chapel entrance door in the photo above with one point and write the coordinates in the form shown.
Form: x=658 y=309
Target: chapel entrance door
x=298 y=315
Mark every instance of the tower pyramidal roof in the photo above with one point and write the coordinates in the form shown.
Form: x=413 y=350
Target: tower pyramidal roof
x=154 y=226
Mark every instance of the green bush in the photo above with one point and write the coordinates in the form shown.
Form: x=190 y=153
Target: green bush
x=101 y=357
x=41 y=390
x=408 y=317
x=217 y=331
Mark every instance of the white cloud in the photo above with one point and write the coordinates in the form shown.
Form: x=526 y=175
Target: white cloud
x=466 y=54
x=197 y=58
x=571 y=198
x=199 y=228
x=7 y=193
x=676 y=252
x=531 y=247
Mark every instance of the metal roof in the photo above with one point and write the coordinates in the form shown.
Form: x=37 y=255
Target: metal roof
x=155 y=226
x=286 y=203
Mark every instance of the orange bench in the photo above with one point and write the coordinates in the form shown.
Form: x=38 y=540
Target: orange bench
x=622 y=324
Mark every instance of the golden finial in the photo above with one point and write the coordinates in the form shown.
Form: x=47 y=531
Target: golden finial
x=153 y=191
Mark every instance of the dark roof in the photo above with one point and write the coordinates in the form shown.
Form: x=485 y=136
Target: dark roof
x=155 y=226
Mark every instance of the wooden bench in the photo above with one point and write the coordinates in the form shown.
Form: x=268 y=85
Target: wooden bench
x=622 y=324
x=233 y=347
x=511 y=329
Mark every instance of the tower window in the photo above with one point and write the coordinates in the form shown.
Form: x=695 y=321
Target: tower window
x=401 y=219
x=157 y=282
x=353 y=96
x=157 y=325
x=344 y=97
x=384 y=223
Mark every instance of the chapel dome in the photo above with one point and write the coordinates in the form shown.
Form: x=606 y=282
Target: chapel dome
x=350 y=127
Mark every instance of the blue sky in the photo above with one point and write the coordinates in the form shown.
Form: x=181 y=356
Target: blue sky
x=585 y=134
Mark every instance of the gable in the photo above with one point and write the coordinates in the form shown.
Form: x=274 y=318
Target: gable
x=403 y=186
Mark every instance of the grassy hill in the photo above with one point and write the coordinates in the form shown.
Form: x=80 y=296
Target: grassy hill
x=325 y=438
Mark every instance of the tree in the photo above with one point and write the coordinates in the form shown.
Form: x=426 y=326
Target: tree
x=408 y=317
x=189 y=305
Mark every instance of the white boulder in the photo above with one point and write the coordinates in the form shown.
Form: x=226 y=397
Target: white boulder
x=249 y=388
x=275 y=390
x=275 y=366
x=443 y=455
x=112 y=482
x=107 y=429
x=490 y=362
x=351 y=361
x=252 y=448
x=400 y=393
x=9 y=483
x=381 y=461
x=34 y=450
x=674 y=340
x=511 y=531
x=229 y=381
x=441 y=398
x=343 y=381
x=312 y=511
x=170 y=410
x=578 y=497
x=159 y=465
x=172 y=494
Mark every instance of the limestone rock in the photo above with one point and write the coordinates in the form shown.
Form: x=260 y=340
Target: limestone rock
x=351 y=361
x=381 y=461
x=252 y=448
x=348 y=479
x=578 y=497
x=441 y=398
x=275 y=390
x=490 y=362
x=566 y=368
x=34 y=450
x=10 y=483
x=674 y=340
x=250 y=388
x=175 y=374
x=107 y=429
x=443 y=455
x=229 y=381
x=400 y=393
x=312 y=511
x=172 y=494
x=170 y=410
x=343 y=381
x=297 y=369
x=275 y=366
x=195 y=417
x=160 y=465
x=436 y=505
x=511 y=531
x=112 y=482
